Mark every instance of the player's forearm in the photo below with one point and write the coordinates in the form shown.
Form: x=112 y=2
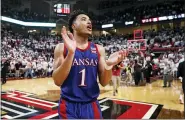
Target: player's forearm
x=61 y=73
x=106 y=76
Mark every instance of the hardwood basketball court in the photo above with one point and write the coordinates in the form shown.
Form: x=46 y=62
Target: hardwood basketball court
x=154 y=93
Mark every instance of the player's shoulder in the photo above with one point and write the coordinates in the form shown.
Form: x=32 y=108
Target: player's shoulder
x=59 y=48
x=59 y=45
x=100 y=48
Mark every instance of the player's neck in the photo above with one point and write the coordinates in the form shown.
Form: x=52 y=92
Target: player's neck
x=81 y=39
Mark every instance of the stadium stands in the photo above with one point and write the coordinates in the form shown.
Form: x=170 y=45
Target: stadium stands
x=38 y=48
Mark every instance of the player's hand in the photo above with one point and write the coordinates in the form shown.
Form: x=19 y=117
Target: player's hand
x=69 y=40
x=116 y=57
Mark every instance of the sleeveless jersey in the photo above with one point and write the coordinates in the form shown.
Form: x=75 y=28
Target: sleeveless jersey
x=81 y=84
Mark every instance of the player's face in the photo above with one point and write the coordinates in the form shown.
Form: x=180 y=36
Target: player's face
x=83 y=25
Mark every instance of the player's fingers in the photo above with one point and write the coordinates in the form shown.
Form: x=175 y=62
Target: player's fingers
x=63 y=31
x=64 y=34
x=124 y=54
x=71 y=36
x=120 y=57
x=65 y=39
x=120 y=52
x=127 y=52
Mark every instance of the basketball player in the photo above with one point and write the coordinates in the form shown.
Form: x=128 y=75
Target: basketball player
x=77 y=63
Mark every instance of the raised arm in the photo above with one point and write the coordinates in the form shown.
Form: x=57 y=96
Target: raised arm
x=62 y=66
x=105 y=66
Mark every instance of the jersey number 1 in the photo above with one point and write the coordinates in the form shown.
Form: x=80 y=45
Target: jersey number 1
x=83 y=78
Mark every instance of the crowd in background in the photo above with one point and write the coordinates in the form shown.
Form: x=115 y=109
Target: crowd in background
x=109 y=3
x=165 y=63
x=165 y=38
x=138 y=68
x=32 y=54
x=28 y=55
x=136 y=14
x=24 y=15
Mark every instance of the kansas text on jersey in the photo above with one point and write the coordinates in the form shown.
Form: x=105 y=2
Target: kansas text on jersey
x=81 y=84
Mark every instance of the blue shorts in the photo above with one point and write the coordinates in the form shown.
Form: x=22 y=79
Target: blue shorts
x=76 y=110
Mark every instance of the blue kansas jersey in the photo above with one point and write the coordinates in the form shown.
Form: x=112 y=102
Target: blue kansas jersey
x=81 y=84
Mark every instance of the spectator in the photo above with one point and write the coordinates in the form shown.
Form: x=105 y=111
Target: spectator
x=137 y=72
x=28 y=69
x=148 y=70
x=4 y=70
x=17 y=68
x=167 y=74
x=116 y=77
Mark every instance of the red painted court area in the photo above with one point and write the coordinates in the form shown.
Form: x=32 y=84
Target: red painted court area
x=16 y=105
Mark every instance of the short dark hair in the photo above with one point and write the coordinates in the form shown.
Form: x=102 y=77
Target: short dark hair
x=73 y=17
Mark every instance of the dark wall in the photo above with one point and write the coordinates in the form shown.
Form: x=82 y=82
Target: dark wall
x=39 y=6
x=82 y=5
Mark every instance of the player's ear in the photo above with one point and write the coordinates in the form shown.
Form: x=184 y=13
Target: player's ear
x=73 y=26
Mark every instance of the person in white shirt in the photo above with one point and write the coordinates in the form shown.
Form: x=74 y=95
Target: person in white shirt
x=167 y=74
x=45 y=67
x=181 y=60
x=24 y=63
x=28 y=69
x=174 y=68
x=39 y=68
x=12 y=66
x=34 y=66
x=50 y=71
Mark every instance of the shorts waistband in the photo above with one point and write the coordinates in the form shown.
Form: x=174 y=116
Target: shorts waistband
x=86 y=102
